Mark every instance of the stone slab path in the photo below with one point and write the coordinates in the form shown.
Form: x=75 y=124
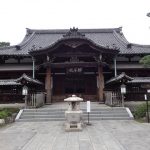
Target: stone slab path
x=102 y=135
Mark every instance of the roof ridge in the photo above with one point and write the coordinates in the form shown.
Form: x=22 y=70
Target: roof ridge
x=62 y=31
x=125 y=42
x=140 y=45
x=120 y=39
x=21 y=44
x=24 y=43
x=7 y=80
x=141 y=77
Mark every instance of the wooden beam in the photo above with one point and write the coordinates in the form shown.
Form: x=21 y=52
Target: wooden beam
x=78 y=54
x=71 y=64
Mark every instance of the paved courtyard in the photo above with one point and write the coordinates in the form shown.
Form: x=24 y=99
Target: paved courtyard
x=102 y=135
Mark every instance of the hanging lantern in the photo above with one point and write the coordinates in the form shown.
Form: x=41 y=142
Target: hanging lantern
x=25 y=90
x=123 y=89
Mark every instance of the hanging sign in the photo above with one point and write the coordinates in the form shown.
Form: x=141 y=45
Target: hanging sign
x=75 y=70
x=88 y=106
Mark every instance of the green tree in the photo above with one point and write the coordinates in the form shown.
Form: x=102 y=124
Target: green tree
x=145 y=61
x=4 y=44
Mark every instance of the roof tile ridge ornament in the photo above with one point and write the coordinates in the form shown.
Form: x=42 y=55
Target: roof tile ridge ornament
x=114 y=46
x=35 y=48
x=73 y=32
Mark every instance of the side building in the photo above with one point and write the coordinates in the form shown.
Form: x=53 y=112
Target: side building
x=74 y=61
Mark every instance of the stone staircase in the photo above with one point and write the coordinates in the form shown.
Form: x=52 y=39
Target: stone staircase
x=55 y=114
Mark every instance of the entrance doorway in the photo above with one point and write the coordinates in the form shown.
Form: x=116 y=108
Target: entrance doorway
x=82 y=85
x=74 y=85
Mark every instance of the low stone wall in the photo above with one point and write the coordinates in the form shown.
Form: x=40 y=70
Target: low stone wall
x=8 y=120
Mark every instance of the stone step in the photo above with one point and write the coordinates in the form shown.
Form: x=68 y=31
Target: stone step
x=62 y=119
x=95 y=109
x=108 y=118
x=84 y=115
x=40 y=119
x=60 y=113
x=63 y=114
x=115 y=113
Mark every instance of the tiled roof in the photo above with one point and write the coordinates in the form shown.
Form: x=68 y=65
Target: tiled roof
x=8 y=82
x=18 y=81
x=103 y=37
x=140 y=80
x=28 y=79
x=119 y=78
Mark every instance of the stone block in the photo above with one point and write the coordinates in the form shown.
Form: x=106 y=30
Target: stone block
x=2 y=121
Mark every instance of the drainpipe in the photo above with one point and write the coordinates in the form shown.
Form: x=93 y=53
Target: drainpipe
x=33 y=67
x=115 y=67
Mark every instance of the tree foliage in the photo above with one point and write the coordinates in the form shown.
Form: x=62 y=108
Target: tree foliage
x=4 y=44
x=145 y=61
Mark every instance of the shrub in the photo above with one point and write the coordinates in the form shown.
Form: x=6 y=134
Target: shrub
x=140 y=111
x=3 y=114
x=6 y=112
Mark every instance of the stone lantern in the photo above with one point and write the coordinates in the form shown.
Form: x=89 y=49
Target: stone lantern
x=73 y=115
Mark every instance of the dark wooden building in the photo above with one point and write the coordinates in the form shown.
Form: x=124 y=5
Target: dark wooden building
x=75 y=61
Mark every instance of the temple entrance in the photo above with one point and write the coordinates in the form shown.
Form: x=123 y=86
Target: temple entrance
x=74 y=65
x=75 y=85
x=83 y=85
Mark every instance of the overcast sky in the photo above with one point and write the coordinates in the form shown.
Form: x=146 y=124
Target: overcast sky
x=16 y=15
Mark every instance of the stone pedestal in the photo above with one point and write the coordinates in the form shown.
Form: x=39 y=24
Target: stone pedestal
x=73 y=115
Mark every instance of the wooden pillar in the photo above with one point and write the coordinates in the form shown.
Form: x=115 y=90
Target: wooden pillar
x=48 y=86
x=100 y=83
x=33 y=67
x=115 y=67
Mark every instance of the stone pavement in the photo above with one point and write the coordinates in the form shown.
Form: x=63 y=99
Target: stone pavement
x=102 y=135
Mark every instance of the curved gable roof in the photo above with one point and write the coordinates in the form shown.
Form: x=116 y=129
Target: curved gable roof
x=112 y=37
x=73 y=35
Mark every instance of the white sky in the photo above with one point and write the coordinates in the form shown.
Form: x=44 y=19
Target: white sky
x=16 y=15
